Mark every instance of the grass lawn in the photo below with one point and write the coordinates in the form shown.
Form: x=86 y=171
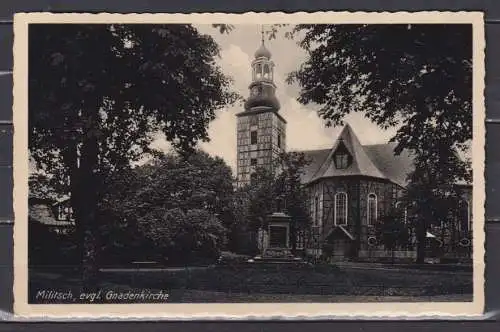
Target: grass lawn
x=277 y=283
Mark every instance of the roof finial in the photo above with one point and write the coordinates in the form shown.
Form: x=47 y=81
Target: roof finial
x=262 y=51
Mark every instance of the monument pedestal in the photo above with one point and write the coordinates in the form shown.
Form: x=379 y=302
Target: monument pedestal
x=275 y=240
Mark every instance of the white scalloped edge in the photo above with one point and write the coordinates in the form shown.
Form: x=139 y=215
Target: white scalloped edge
x=330 y=17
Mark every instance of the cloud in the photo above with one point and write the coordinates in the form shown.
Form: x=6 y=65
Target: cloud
x=222 y=131
x=305 y=130
x=236 y=63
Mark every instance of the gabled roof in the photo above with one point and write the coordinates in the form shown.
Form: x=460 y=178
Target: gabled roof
x=61 y=200
x=395 y=167
x=361 y=162
x=315 y=158
x=43 y=214
x=378 y=160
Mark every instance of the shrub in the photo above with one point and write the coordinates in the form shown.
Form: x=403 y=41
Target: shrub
x=48 y=247
x=183 y=237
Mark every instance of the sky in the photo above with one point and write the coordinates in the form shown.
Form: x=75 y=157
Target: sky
x=305 y=130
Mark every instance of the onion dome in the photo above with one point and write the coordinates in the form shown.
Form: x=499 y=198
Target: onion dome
x=262 y=52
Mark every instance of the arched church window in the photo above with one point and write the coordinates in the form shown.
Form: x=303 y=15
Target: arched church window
x=464 y=225
x=403 y=210
x=371 y=214
x=316 y=210
x=340 y=210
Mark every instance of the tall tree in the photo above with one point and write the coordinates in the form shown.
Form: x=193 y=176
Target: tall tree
x=417 y=77
x=392 y=231
x=97 y=93
x=433 y=193
x=288 y=185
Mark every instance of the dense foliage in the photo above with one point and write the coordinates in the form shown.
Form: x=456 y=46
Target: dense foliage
x=393 y=232
x=97 y=93
x=172 y=208
x=279 y=190
x=183 y=237
x=416 y=77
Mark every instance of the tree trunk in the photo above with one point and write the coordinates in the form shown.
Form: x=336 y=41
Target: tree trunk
x=84 y=204
x=421 y=236
x=453 y=237
x=88 y=192
x=71 y=159
x=88 y=204
x=293 y=234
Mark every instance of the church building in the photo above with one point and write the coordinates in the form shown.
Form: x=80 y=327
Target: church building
x=351 y=186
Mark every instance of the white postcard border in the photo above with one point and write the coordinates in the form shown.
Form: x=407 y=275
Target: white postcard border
x=243 y=310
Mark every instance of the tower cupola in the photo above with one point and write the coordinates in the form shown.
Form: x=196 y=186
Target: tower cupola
x=262 y=87
x=261 y=130
x=262 y=52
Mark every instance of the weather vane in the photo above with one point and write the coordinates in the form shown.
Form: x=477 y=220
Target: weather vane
x=262 y=32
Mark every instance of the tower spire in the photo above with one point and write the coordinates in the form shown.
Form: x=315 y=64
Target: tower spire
x=262 y=51
x=261 y=130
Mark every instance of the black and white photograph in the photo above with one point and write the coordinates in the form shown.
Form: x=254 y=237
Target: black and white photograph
x=239 y=164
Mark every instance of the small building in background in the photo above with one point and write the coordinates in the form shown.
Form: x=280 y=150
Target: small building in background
x=54 y=215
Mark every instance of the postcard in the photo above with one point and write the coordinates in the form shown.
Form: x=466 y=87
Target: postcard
x=257 y=165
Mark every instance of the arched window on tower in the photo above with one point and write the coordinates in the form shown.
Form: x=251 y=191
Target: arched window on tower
x=371 y=213
x=258 y=71
x=340 y=211
x=267 y=71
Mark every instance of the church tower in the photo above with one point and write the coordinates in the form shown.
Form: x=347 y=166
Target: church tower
x=261 y=131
